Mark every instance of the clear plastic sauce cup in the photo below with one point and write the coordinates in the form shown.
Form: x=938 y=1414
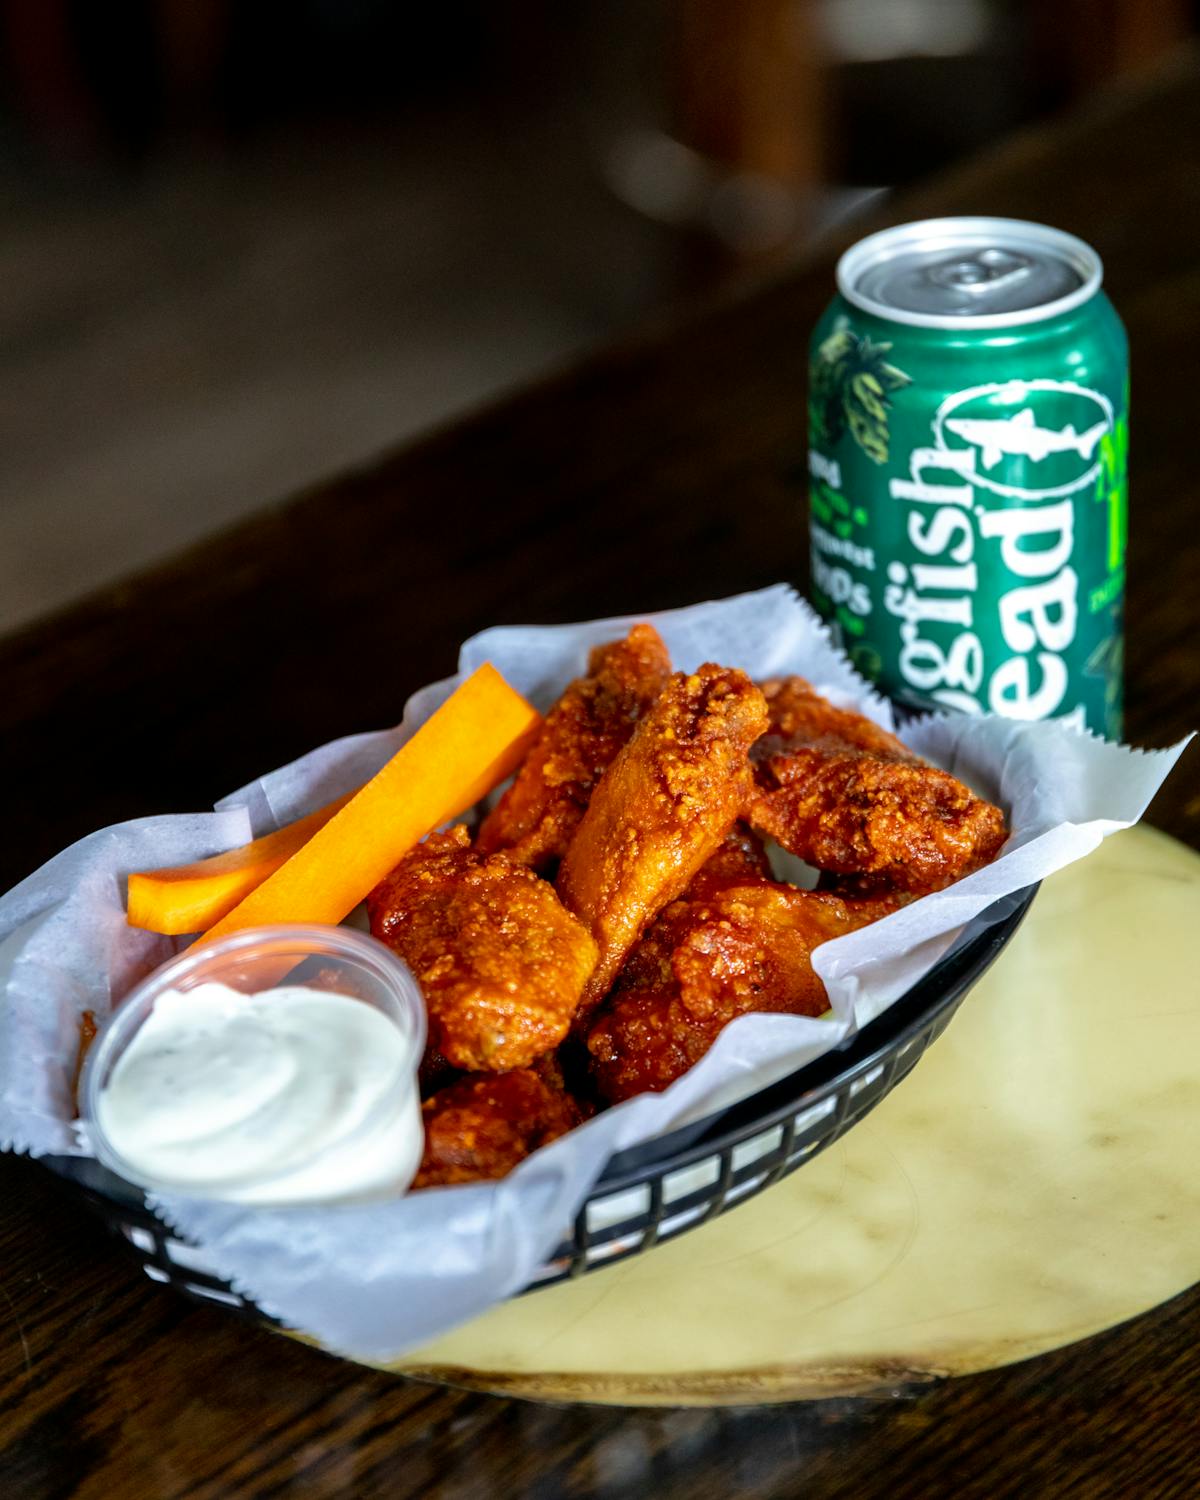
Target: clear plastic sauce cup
x=248 y=1070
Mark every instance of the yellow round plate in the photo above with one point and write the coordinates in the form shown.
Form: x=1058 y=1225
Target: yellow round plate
x=1032 y=1182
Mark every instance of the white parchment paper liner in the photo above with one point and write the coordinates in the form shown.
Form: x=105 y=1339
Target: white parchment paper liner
x=373 y=1281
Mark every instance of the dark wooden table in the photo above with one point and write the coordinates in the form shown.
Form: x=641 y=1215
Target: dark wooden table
x=667 y=471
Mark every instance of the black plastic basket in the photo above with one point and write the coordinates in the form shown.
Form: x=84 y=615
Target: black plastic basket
x=677 y=1181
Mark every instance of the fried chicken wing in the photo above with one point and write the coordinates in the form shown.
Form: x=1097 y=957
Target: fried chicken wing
x=480 y=1128
x=661 y=809
x=799 y=715
x=705 y=961
x=536 y=817
x=739 y=859
x=501 y=962
x=850 y=799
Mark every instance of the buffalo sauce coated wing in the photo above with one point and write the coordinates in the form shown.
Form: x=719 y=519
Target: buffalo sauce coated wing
x=800 y=715
x=849 y=798
x=482 y=1127
x=736 y=949
x=739 y=858
x=536 y=817
x=501 y=963
x=661 y=809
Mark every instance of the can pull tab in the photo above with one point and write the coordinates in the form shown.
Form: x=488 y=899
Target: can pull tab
x=983 y=271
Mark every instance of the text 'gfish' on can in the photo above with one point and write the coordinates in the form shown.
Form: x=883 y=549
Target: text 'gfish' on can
x=968 y=444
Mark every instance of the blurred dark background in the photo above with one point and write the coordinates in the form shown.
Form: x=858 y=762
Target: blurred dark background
x=244 y=243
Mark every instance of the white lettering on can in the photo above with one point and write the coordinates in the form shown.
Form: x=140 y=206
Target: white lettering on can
x=973 y=526
x=942 y=592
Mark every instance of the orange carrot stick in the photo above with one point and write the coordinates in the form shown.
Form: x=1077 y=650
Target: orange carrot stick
x=189 y=898
x=476 y=739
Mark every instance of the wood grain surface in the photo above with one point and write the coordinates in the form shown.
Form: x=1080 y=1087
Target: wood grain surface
x=666 y=471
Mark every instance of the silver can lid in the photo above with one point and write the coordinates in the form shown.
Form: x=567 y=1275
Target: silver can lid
x=969 y=273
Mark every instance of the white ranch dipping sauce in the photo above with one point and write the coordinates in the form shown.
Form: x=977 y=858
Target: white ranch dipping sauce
x=291 y=1096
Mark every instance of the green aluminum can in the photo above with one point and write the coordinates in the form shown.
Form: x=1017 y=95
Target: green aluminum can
x=968 y=440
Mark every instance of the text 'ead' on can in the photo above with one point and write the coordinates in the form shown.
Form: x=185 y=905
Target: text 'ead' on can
x=968 y=443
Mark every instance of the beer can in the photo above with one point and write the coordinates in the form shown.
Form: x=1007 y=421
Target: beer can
x=968 y=442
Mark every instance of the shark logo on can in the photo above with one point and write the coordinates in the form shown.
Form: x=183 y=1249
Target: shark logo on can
x=1022 y=436
x=1035 y=439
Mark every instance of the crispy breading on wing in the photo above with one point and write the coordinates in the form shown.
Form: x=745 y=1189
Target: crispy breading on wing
x=876 y=824
x=535 y=818
x=661 y=809
x=850 y=799
x=481 y=1127
x=705 y=961
x=799 y=715
x=501 y=962
x=740 y=858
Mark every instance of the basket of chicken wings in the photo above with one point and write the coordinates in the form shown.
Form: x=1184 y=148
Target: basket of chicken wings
x=655 y=802
x=672 y=850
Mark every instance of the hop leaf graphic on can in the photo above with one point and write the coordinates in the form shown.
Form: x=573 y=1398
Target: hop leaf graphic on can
x=851 y=383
